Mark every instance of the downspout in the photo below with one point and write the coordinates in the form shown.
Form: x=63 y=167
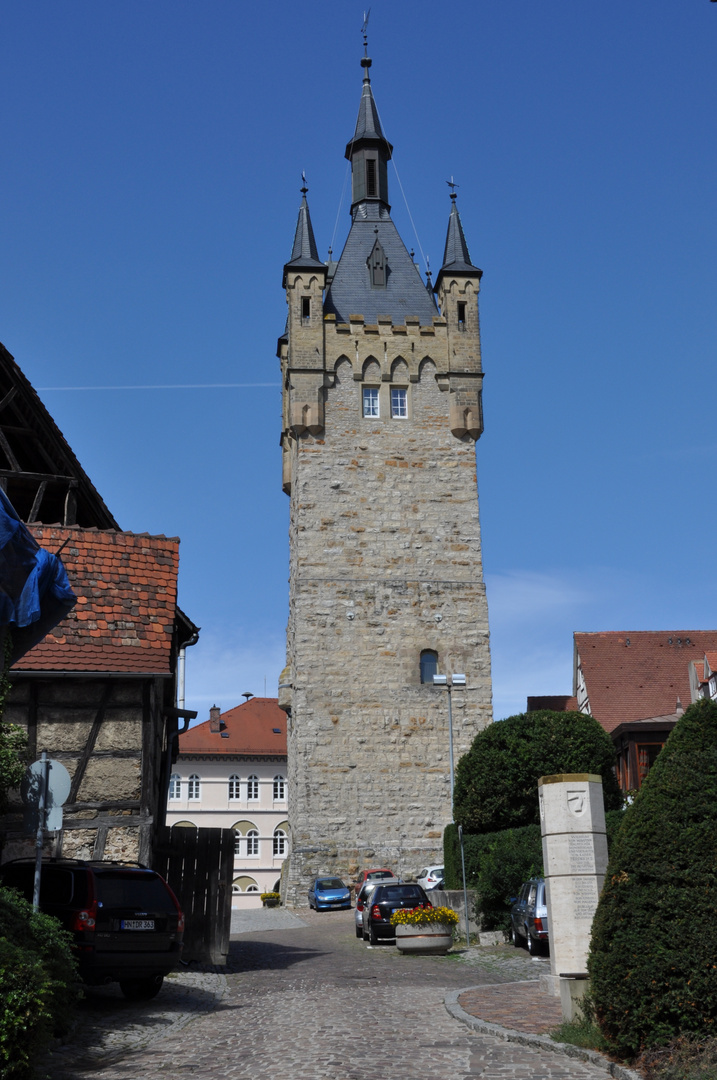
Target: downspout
x=181 y=664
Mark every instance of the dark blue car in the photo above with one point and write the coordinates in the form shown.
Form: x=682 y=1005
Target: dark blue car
x=329 y=892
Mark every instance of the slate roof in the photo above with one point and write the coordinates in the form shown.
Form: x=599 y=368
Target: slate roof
x=123 y=622
x=456 y=259
x=304 y=252
x=368 y=124
x=642 y=679
x=248 y=730
x=351 y=291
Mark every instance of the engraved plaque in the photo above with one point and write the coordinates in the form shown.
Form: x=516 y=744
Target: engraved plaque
x=585 y=897
x=581 y=849
x=577 y=802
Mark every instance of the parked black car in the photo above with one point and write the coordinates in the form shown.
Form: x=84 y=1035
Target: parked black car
x=385 y=900
x=125 y=920
x=529 y=917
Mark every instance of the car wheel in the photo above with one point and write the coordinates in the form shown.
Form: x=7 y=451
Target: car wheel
x=532 y=947
x=514 y=937
x=141 y=989
x=359 y=931
x=373 y=939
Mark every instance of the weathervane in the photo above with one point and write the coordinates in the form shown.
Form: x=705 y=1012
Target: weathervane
x=364 y=31
x=304 y=188
x=452 y=185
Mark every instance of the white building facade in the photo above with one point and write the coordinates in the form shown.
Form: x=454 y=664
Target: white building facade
x=231 y=774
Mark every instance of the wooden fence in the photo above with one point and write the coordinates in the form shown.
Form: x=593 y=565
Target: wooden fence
x=198 y=864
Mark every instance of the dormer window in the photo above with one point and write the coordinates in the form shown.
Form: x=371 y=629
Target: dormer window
x=377 y=265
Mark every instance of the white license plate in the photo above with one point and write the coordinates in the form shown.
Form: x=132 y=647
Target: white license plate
x=137 y=924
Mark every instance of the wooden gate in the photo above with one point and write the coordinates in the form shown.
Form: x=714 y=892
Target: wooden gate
x=198 y=864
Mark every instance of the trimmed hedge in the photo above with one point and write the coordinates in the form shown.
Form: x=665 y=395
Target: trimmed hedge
x=496 y=783
x=498 y=863
x=652 y=963
x=37 y=976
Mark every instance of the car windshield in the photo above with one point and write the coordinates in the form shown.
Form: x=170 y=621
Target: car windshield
x=330 y=883
x=378 y=874
x=136 y=890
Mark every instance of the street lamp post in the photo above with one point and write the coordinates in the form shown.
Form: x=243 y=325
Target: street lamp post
x=443 y=682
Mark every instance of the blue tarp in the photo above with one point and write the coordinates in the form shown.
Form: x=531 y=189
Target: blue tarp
x=35 y=594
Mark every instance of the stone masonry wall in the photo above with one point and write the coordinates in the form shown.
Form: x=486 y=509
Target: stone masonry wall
x=385 y=562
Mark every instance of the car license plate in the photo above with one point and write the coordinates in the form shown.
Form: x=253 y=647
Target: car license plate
x=336 y=903
x=137 y=924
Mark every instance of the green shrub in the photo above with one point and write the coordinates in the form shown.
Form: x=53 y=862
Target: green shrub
x=652 y=962
x=685 y=1058
x=37 y=976
x=497 y=864
x=496 y=783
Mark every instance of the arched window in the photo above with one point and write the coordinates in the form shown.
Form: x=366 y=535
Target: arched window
x=252 y=842
x=279 y=788
x=252 y=788
x=279 y=842
x=237 y=843
x=175 y=786
x=234 y=786
x=252 y=888
x=193 y=787
x=429 y=665
x=236 y=888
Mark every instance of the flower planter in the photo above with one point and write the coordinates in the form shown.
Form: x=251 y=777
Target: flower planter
x=271 y=903
x=432 y=938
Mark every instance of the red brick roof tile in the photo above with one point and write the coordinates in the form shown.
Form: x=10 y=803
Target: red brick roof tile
x=248 y=728
x=638 y=674
x=126 y=585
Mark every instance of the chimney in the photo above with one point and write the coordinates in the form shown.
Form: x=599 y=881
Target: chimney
x=215 y=722
x=678 y=708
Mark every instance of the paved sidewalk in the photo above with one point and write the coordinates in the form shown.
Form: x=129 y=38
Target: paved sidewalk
x=520 y=1006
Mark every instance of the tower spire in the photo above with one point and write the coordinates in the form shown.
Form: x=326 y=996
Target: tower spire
x=456 y=259
x=369 y=151
x=304 y=253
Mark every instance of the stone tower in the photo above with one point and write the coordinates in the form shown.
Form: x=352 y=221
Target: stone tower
x=381 y=409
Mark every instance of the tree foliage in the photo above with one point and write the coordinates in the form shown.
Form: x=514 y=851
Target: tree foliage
x=497 y=780
x=652 y=962
x=37 y=976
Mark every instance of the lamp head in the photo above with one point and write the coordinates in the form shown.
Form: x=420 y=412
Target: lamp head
x=440 y=680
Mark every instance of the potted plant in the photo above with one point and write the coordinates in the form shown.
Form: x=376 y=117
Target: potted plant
x=425 y=930
x=270 y=899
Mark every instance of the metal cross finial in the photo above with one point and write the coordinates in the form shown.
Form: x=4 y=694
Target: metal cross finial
x=452 y=185
x=364 y=31
x=304 y=186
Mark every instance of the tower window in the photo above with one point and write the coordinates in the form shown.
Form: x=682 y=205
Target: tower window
x=370 y=401
x=461 y=315
x=399 y=404
x=429 y=665
x=306 y=308
x=371 y=178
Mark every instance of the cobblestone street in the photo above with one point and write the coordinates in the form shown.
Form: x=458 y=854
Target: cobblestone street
x=311 y=1003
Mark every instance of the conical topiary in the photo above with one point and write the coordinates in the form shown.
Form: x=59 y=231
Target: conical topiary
x=653 y=958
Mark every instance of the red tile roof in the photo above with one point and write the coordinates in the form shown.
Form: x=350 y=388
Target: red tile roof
x=639 y=674
x=556 y=702
x=711 y=658
x=248 y=729
x=126 y=585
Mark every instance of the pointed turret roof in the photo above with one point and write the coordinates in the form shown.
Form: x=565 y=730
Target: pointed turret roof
x=456 y=259
x=304 y=254
x=368 y=124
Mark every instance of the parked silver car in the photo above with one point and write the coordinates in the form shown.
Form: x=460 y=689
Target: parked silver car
x=529 y=917
x=363 y=897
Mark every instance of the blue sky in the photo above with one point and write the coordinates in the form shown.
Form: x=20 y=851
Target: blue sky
x=152 y=155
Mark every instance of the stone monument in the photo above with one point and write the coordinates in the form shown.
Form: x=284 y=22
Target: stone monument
x=572 y=825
